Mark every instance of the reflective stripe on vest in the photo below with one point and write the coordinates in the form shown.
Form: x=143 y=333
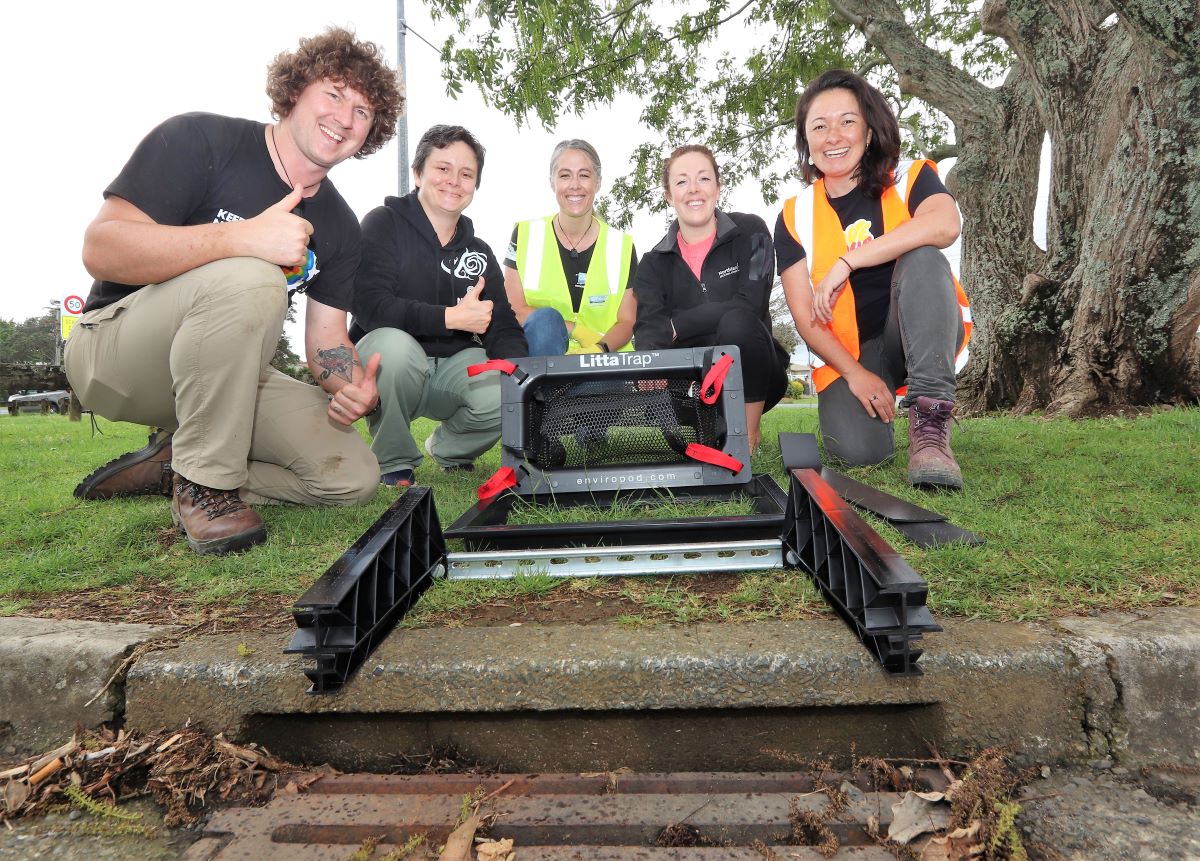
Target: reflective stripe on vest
x=813 y=222
x=539 y=264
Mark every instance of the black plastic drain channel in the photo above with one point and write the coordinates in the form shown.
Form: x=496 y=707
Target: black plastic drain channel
x=359 y=600
x=862 y=577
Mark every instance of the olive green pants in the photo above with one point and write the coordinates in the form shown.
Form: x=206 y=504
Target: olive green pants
x=191 y=355
x=411 y=384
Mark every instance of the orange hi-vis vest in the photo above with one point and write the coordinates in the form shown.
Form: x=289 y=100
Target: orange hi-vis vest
x=813 y=222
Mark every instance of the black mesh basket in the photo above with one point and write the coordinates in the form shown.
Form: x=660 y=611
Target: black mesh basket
x=625 y=420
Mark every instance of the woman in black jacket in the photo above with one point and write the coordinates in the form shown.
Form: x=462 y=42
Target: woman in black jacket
x=429 y=298
x=708 y=282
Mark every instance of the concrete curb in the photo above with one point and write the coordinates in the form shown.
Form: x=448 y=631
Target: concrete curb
x=52 y=669
x=724 y=696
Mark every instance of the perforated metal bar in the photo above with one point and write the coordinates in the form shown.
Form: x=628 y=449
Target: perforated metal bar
x=625 y=561
x=867 y=582
x=358 y=600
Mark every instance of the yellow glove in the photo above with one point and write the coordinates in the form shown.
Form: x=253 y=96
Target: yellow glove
x=584 y=340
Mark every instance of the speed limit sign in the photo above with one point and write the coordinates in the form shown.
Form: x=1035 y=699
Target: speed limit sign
x=73 y=305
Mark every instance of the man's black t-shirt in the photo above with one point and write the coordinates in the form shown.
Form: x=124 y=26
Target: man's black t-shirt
x=862 y=220
x=201 y=168
x=574 y=268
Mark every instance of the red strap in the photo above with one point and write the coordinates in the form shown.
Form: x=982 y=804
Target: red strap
x=715 y=456
x=715 y=378
x=503 y=478
x=491 y=365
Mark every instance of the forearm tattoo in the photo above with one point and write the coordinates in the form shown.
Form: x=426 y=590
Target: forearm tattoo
x=338 y=360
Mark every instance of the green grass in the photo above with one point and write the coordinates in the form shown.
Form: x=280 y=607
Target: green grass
x=1078 y=516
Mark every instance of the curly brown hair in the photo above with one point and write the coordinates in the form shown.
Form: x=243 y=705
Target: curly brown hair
x=337 y=55
x=883 y=150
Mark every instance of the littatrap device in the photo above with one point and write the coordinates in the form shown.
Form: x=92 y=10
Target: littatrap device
x=622 y=421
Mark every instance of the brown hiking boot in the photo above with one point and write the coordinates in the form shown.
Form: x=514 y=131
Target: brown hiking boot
x=930 y=461
x=214 y=521
x=144 y=472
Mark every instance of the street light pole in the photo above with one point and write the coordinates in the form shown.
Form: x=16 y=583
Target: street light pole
x=402 y=122
x=56 y=304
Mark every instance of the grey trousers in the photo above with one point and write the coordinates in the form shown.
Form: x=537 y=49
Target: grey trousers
x=923 y=332
x=191 y=355
x=412 y=384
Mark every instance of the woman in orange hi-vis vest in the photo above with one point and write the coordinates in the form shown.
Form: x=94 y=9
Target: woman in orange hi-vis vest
x=870 y=291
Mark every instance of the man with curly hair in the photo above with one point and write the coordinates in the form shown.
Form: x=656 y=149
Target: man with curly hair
x=202 y=239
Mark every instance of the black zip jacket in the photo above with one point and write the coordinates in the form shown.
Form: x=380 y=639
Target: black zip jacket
x=407 y=280
x=737 y=273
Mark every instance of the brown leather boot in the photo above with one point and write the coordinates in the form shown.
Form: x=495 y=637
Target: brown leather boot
x=146 y=471
x=214 y=521
x=930 y=461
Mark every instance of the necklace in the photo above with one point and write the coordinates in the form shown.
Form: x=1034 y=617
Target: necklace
x=574 y=245
x=283 y=166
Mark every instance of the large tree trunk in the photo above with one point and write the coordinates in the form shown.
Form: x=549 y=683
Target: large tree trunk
x=1114 y=310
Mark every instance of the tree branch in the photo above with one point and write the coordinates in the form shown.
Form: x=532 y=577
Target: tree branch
x=666 y=40
x=1172 y=29
x=922 y=71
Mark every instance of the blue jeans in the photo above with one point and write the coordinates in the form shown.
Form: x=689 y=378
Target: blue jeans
x=546 y=333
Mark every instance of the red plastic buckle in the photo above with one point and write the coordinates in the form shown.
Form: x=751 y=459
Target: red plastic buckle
x=503 y=478
x=710 y=389
x=715 y=456
x=502 y=365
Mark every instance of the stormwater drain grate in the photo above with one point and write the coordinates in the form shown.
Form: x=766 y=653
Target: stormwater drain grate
x=587 y=817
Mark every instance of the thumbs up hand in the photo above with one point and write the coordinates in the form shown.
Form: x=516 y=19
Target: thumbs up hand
x=471 y=314
x=355 y=399
x=278 y=235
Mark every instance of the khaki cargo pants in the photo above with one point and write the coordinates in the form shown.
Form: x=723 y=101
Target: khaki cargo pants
x=191 y=355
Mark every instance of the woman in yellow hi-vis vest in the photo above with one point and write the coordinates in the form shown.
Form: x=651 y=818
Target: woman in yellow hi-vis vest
x=870 y=291
x=566 y=274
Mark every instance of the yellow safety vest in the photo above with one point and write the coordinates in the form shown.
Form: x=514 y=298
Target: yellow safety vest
x=545 y=283
x=813 y=222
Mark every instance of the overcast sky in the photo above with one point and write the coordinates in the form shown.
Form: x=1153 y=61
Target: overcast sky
x=96 y=77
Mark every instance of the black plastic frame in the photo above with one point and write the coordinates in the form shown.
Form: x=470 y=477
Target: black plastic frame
x=485 y=525
x=532 y=480
x=360 y=598
x=863 y=578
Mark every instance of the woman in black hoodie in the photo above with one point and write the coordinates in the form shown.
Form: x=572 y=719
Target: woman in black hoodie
x=429 y=297
x=708 y=282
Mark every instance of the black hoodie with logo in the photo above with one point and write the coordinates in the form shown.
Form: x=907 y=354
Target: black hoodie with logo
x=407 y=280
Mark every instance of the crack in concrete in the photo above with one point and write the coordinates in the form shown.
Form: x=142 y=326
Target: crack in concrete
x=1117 y=718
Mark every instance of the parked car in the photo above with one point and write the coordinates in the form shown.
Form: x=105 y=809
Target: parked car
x=31 y=401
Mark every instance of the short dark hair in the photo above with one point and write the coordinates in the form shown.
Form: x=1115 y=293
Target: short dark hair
x=440 y=137
x=883 y=150
x=336 y=54
x=684 y=150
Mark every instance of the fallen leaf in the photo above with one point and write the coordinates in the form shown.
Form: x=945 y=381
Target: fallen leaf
x=15 y=794
x=955 y=846
x=917 y=814
x=495 y=850
x=458 y=844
